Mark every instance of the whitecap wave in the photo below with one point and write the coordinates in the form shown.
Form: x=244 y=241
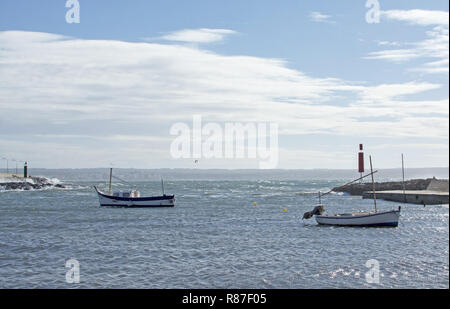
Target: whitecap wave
x=8 y=184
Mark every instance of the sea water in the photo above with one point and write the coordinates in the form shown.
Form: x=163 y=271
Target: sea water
x=221 y=234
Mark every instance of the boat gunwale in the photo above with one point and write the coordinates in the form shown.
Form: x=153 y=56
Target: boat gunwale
x=357 y=217
x=136 y=206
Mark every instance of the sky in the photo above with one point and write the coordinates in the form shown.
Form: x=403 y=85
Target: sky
x=107 y=90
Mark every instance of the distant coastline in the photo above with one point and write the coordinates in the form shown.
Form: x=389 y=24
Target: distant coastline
x=131 y=174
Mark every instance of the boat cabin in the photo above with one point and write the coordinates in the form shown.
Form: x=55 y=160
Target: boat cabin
x=126 y=194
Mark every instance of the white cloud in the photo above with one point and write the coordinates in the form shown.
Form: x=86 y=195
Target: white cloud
x=388 y=43
x=203 y=35
x=99 y=96
x=435 y=46
x=418 y=17
x=395 y=55
x=384 y=92
x=320 y=17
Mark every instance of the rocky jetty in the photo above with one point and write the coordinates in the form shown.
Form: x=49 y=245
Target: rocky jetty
x=410 y=185
x=30 y=183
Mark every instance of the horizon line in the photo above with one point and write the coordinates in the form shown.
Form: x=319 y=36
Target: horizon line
x=232 y=169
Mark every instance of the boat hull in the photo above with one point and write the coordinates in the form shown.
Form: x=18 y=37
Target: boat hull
x=141 y=202
x=378 y=219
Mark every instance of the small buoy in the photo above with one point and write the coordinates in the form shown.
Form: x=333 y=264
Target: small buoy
x=284 y=209
x=254 y=203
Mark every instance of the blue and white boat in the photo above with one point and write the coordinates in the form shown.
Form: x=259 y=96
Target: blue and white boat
x=132 y=198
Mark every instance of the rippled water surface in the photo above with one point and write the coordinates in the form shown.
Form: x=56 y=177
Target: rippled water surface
x=215 y=237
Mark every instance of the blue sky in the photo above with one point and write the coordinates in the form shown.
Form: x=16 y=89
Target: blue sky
x=384 y=84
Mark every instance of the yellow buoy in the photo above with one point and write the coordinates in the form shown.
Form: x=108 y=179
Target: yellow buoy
x=284 y=209
x=254 y=203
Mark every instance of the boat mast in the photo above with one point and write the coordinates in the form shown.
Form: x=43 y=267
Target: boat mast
x=373 y=185
x=110 y=180
x=162 y=186
x=403 y=175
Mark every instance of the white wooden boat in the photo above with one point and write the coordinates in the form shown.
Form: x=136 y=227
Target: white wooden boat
x=372 y=218
x=132 y=198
